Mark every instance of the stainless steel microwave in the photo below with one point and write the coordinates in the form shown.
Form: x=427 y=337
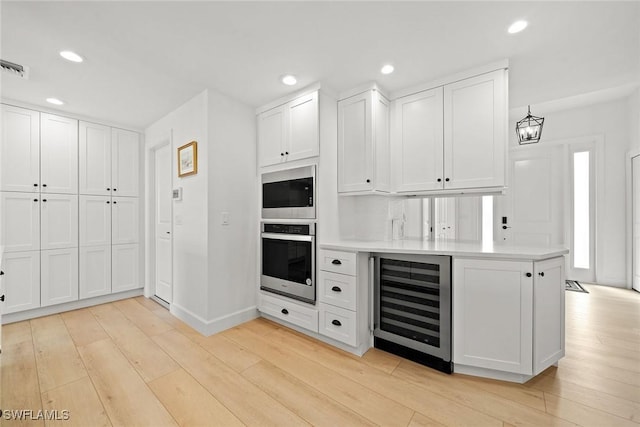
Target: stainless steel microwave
x=289 y=194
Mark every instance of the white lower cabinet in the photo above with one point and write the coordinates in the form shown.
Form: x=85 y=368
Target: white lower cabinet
x=508 y=315
x=338 y=323
x=21 y=281
x=124 y=217
x=125 y=268
x=95 y=271
x=59 y=276
x=296 y=314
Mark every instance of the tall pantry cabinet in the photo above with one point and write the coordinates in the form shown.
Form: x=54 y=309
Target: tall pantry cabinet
x=42 y=191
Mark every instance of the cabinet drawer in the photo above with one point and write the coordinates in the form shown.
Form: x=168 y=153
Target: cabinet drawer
x=305 y=317
x=338 y=323
x=337 y=261
x=337 y=289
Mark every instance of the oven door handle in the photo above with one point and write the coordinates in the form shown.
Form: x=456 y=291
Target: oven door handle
x=294 y=237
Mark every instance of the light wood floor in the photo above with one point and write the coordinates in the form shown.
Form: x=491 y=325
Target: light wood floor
x=132 y=363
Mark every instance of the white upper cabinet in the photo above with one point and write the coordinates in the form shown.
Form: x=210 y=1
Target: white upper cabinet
x=418 y=141
x=59 y=221
x=20 y=222
x=95 y=220
x=125 y=163
x=95 y=159
x=290 y=131
x=124 y=228
x=363 y=143
x=58 y=154
x=20 y=150
x=475 y=137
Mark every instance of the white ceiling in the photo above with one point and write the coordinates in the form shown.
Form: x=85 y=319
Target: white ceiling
x=143 y=59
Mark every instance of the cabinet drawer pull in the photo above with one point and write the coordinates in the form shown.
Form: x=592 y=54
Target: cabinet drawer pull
x=541 y=274
x=336 y=322
x=336 y=262
x=336 y=289
x=284 y=311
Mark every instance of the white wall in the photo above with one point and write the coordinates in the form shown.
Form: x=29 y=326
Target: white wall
x=634 y=121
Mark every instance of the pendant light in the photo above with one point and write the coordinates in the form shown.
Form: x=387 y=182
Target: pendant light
x=529 y=129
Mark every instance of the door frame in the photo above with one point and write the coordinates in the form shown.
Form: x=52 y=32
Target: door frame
x=629 y=197
x=150 y=211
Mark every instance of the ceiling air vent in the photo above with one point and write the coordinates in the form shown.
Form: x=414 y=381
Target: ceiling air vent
x=15 y=69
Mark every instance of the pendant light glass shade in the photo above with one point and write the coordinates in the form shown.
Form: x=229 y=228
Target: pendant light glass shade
x=529 y=129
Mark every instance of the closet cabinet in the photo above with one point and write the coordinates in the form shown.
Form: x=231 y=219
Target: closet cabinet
x=125 y=267
x=58 y=221
x=58 y=154
x=59 y=276
x=20 y=221
x=290 y=131
x=363 y=143
x=20 y=150
x=95 y=271
x=21 y=281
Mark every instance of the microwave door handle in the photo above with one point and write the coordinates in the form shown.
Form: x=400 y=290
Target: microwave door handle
x=294 y=237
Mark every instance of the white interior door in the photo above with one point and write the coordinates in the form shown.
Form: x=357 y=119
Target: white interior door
x=163 y=222
x=635 y=173
x=534 y=204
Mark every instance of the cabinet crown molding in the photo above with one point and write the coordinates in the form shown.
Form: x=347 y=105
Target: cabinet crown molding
x=290 y=97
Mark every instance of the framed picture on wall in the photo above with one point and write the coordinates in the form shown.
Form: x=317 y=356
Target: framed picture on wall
x=188 y=159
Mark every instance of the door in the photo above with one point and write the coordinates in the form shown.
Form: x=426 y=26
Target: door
x=304 y=135
x=20 y=150
x=59 y=221
x=21 y=280
x=271 y=134
x=125 y=268
x=95 y=271
x=124 y=220
x=418 y=148
x=355 y=148
x=635 y=174
x=125 y=163
x=20 y=222
x=95 y=159
x=548 y=313
x=58 y=154
x=95 y=221
x=534 y=203
x=59 y=281
x=163 y=215
x=475 y=115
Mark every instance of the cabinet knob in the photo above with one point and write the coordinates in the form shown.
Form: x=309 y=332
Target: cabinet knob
x=336 y=289
x=528 y=274
x=35 y=200
x=1 y=298
x=108 y=189
x=115 y=189
x=439 y=179
x=368 y=180
x=541 y=274
x=284 y=311
x=336 y=322
x=35 y=185
x=114 y=202
x=1 y=273
x=44 y=200
x=286 y=152
x=108 y=202
x=446 y=179
x=282 y=154
x=44 y=185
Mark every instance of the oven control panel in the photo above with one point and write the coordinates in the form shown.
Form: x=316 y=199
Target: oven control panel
x=301 y=229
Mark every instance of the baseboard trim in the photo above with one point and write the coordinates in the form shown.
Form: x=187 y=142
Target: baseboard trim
x=491 y=373
x=614 y=283
x=68 y=306
x=210 y=327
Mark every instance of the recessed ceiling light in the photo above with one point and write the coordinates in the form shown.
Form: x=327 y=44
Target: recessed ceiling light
x=517 y=26
x=71 y=56
x=387 y=69
x=289 y=80
x=54 y=101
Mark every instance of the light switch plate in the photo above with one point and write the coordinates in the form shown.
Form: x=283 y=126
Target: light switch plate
x=176 y=194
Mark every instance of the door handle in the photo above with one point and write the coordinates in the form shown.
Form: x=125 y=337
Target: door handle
x=504 y=227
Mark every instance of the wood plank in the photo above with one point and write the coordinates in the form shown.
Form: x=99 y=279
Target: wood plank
x=179 y=325
x=82 y=402
x=513 y=391
x=20 y=389
x=125 y=396
x=250 y=404
x=148 y=303
x=231 y=353
x=145 y=355
x=316 y=408
x=189 y=402
x=57 y=359
x=382 y=360
x=15 y=333
x=581 y=414
x=142 y=318
x=83 y=327
x=420 y=420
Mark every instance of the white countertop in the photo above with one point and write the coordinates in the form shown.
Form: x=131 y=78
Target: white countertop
x=456 y=248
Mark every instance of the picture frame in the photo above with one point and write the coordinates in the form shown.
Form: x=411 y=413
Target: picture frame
x=188 y=159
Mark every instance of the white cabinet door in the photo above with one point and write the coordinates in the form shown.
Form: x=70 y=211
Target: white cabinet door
x=303 y=134
x=475 y=123
x=548 y=313
x=355 y=144
x=418 y=142
x=21 y=281
x=59 y=281
x=58 y=154
x=20 y=150
x=124 y=216
x=492 y=314
x=125 y=163
x=20 y=222
x=125 y=268
x=271 y=134
x=95 y=159
x=59 y=221
x=95 y=271
x=95 y=220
